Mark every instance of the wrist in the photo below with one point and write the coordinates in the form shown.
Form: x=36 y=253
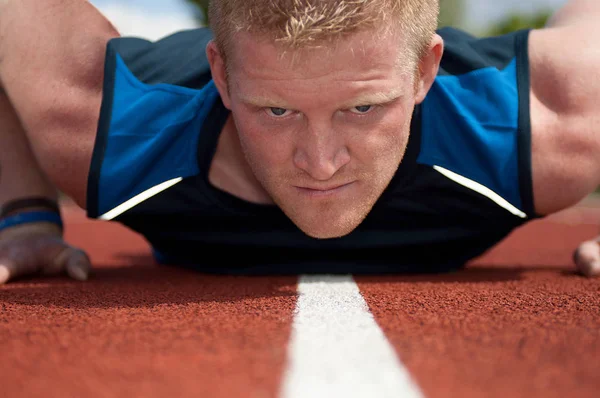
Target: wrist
x=30 y=211
x=37 y=203
x=31 y=230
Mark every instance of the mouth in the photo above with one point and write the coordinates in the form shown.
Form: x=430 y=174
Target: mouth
x=324 y=191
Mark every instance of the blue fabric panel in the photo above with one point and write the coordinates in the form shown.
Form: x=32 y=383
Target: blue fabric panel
x=470 y=127
x=153 y=136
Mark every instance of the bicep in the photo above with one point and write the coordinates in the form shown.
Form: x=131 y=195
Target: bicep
x=51 y=68
x=52 y=64
x=565 y=68
x=565 y=91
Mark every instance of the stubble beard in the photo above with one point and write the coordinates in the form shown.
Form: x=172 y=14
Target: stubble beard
x=320 y=221
x=329 y=218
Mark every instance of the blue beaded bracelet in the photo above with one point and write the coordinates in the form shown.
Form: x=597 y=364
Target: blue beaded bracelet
x=31 y=217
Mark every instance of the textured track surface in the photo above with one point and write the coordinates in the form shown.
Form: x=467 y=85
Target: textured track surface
x=516 y=323
x=135 y=329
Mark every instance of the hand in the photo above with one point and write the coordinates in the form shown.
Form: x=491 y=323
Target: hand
x=39 y=249
x=587 y=258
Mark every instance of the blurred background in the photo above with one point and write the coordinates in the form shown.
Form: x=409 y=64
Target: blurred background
x=153 y=19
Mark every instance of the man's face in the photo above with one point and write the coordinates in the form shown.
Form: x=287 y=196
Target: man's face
x=323 y=130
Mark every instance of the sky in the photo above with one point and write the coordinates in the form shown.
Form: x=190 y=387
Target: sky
x=153 y=19
x=149 y=19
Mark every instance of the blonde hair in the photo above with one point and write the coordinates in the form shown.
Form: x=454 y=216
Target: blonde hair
x=302 y=23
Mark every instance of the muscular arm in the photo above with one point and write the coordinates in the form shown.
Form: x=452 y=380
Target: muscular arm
x=575 y=12
x=51 y=70
x=51 y=75
x=565 y=110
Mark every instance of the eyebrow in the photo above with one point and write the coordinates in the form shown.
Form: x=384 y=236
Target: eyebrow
x=376 y=98
x=264 y=102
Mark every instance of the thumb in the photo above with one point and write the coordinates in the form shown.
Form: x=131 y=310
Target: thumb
x=78 y=265
x=5 y=271
x=75 y=262
x=587 y=258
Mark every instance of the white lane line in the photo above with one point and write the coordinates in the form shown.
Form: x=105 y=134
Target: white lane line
x=337 y=349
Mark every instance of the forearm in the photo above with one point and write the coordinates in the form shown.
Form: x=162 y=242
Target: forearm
x=20 y=174
x=576 y=12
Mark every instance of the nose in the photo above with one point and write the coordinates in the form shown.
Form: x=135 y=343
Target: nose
x=321 y=152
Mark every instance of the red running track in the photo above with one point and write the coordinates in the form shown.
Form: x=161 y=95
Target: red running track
x=518 y=322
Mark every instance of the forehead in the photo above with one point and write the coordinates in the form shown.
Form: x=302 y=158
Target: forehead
x=366 y=51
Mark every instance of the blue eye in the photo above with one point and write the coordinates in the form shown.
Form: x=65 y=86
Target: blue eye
x=278 y=112
x=361 y=109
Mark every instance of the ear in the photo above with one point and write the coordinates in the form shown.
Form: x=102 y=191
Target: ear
x=429 y=66
x=219 y=72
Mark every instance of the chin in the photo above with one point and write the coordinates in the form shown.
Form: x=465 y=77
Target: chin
x=323 y=227
x=327 y=218
x=329 y=234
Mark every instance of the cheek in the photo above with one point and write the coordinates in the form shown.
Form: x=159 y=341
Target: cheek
x=263 y=146
x=398 y=131
x=384 y=144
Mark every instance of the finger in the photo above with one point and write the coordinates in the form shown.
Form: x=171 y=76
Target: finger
x=587 y=258
x=10 y=269
x=70 y=260
x=78 y=266
x=58 y=259
x=5 y=271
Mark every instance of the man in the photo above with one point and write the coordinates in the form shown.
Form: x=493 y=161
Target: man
x=305 y=136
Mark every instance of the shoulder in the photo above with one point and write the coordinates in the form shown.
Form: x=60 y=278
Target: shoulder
x=465 y=53
x=156 y=98
x=177 y=59
x=475 y=117
x=483 y=80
